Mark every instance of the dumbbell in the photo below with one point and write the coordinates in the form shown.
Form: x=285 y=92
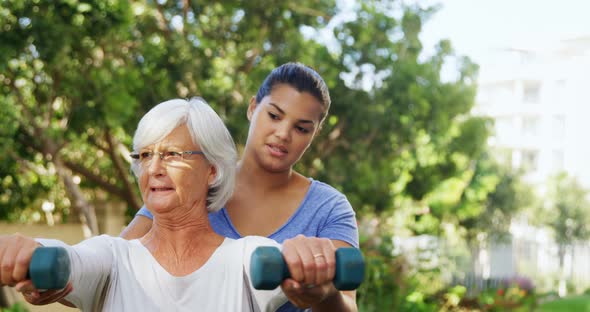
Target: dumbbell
x=268 y=268
x=49 y=268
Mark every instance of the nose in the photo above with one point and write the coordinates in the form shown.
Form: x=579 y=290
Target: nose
x=156 y=165
x=160 y=155
x=282 y=131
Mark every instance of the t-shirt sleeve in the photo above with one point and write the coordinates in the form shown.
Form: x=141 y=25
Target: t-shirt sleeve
x=341 y=223
x=144 y=212
x=266 y=300
x=91 y=263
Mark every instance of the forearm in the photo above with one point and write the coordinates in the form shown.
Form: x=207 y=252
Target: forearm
x=138 y=227
x=90 y=266
x=66 y=303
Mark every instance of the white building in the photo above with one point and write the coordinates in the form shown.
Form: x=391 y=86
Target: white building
x=539 y=98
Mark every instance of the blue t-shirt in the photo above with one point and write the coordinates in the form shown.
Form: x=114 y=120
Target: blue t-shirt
x=324 y=212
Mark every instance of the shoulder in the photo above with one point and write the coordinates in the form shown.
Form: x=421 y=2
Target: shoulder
x=111 y=240
x=100 y=240
x=338 y=219
x=324 y=189
x=324 y=195
x=106 y=244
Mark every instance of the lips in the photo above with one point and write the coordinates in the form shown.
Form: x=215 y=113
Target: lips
x=277 y=150
x=161 y=189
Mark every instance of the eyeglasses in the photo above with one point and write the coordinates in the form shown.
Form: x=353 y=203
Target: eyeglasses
x=146 y=157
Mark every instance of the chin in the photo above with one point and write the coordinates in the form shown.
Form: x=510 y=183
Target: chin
x=277 y=168
x=160 y=206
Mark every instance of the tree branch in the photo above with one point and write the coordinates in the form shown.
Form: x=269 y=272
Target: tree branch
x=128 y=188
x=332 y=143
x=162 y=22
x=87 y=211
x=185 y=8
x=295 y=7
x=102 y=183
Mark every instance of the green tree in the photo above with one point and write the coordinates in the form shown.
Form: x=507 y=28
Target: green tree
x=77 y=75
x=491 y=196
x=566 y=212
x=398 y=131
x=567 y=209
x=111 y=62
x=397 y=127
x=50 y=57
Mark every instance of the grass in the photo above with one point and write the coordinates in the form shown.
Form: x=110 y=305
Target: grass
x=575 y=303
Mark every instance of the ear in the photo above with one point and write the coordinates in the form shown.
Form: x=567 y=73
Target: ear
x=212 y=174
x=251 y=108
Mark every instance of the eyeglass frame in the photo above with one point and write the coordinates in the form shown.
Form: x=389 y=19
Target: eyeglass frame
x=162 y=155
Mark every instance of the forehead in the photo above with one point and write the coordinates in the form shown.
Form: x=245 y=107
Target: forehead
x=292 y=101
x=179 y=137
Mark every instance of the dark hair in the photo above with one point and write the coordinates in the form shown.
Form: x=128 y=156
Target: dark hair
x=301 y=77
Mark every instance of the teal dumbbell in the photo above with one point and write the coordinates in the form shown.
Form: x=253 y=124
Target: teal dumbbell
x=268 y=268
x=50 y=268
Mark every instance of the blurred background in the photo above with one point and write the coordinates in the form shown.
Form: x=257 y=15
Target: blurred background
x=456 y=129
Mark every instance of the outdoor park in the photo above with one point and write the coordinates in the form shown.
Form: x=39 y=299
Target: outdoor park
x=444 y=220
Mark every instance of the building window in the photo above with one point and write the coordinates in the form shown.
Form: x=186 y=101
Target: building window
x=530 y=160
x=557 y=160
x=504 y=127
x=558 y=128
x=530 y=126
x=531 y=92
x=492 y=95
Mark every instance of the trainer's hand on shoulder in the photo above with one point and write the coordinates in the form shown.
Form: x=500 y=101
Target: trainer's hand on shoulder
x=312 y=265
x=15 y=255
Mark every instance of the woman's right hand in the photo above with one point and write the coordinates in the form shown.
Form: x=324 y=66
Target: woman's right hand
x=312 y=265
x=16 y=252
x=15 y=255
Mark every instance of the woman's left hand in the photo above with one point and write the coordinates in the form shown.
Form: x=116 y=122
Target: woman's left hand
x=312 y=265
x=33 y=296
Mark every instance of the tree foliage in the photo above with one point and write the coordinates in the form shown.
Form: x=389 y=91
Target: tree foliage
x=77 y=75
x=397 y=127
x=567 y=211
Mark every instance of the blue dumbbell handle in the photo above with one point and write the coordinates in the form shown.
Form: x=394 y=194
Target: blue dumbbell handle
x=268 y=268
x=50 y=268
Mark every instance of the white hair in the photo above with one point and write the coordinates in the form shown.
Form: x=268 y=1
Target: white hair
x=206 y=129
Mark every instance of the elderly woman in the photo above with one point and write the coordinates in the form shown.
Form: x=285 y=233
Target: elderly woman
x=184 y=158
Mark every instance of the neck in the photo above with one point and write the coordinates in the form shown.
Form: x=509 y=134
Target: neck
x=250 y=173
x=180 y=235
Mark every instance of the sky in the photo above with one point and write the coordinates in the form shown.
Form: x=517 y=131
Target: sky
x=485 y=29
x=481 y=29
